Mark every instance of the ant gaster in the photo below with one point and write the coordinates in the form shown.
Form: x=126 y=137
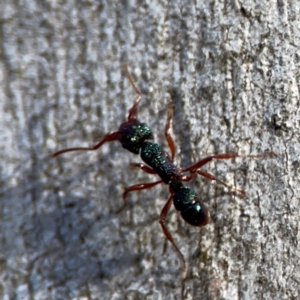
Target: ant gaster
x=134 y=136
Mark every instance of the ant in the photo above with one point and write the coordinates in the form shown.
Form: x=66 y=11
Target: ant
x=134 y=136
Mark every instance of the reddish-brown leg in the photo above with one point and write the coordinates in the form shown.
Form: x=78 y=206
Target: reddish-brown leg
x=168 y=235
x=168 y=136
x=206 y=160
x=107 y=138
x=142 y=167
x=212 y=177
x=136 y=187
x=132 y=115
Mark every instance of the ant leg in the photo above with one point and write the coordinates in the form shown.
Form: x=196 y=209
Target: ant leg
x=206 y=160
x=168 y=136
x=212 y=177
x=136 y=187
x=142 y=167
x=107 y=138
x=132 y=115
x=168 y=235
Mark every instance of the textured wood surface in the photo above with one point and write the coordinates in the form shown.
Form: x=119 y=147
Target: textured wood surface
x=231 y=70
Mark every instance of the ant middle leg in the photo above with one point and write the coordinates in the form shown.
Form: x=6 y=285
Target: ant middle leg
x=136 y=187
x=195 y=169
x=142 y=167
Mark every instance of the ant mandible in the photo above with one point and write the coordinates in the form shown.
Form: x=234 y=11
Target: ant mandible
x=134 y=136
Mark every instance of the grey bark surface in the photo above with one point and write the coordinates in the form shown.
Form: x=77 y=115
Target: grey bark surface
x=231 y=70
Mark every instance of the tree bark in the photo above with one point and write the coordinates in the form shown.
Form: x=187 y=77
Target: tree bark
x=230 y=69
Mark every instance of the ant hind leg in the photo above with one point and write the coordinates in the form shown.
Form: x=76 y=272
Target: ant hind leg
x=212 y=177
x=169 y=237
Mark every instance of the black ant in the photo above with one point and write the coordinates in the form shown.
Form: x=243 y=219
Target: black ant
x=134 y=136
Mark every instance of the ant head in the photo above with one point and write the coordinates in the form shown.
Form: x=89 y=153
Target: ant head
x=132 y=135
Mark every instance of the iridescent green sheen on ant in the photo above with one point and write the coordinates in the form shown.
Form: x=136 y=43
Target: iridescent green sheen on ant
x=185 y=200
x=175 y=185
x=196 y=213
x=133 y=134
x=153 y=155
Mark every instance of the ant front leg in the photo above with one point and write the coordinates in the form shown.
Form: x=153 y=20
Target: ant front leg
x=107 y=138
x=168 y=235
x=168 y=136
x=136 y=187
x=132 y=115
x=131 y=134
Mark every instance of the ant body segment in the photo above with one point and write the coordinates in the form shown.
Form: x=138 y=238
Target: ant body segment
x=134 y=136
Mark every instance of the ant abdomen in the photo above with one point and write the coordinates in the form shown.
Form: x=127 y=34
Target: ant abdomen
x=196 y=214
x=188 y=203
